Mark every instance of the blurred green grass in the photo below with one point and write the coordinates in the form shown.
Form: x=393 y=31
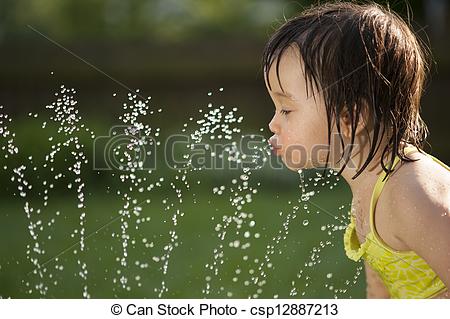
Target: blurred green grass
x=278 y=192
x=186 y=270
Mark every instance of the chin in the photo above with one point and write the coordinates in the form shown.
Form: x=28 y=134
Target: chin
x=297 y=164
x=295 y=169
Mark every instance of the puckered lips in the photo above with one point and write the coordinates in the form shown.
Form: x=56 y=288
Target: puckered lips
x=275 y=147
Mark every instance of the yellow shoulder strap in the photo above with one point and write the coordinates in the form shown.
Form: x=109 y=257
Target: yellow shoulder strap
x=379 y=187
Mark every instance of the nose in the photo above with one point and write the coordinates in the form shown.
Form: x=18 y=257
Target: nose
x=273 y=126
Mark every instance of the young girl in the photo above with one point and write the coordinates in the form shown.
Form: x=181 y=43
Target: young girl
x=346 y=81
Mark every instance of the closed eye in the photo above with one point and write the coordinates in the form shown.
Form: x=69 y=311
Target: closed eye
x=285 y=112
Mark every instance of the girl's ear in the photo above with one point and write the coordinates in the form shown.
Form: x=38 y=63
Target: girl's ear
x=346 y=121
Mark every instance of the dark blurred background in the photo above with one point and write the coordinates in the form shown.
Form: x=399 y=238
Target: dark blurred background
x=176 y=51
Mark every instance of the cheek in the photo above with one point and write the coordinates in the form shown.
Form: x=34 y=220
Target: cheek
x=306 y=132
x=305 y=142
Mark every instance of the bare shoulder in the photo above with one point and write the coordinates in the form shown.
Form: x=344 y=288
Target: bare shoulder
x=419 y=194
x=421 y=182
x=419 y=197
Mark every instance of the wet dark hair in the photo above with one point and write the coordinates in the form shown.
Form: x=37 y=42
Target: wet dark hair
x=362 y=58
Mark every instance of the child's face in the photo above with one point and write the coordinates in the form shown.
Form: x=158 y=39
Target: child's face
x=299 y=124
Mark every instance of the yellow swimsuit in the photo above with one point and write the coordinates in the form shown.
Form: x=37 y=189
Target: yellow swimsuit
x=404 y=273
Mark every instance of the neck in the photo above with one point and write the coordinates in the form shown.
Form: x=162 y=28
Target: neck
x=362 y=186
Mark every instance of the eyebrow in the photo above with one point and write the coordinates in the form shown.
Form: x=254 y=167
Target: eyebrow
x=286 y=95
